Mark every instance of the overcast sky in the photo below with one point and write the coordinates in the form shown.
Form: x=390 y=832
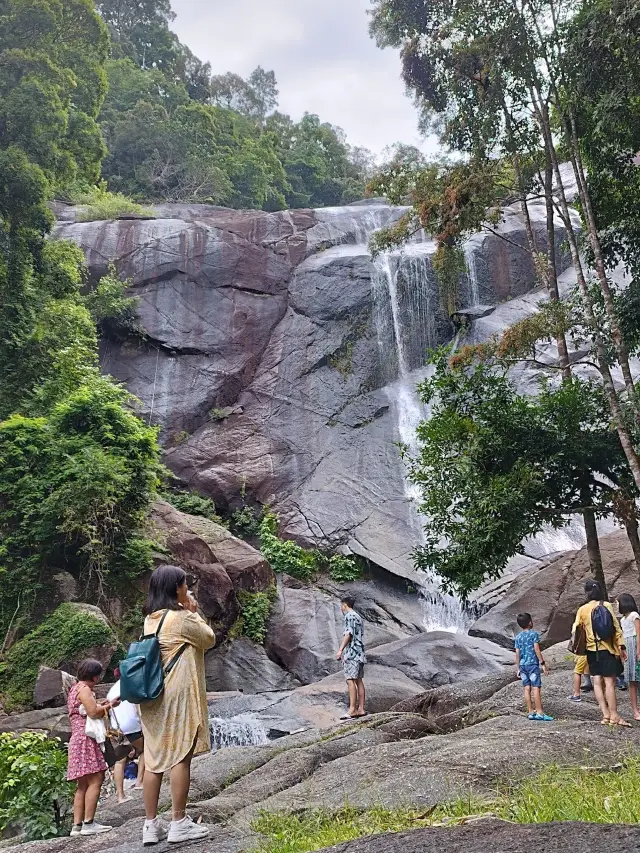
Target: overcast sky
x=323 y=57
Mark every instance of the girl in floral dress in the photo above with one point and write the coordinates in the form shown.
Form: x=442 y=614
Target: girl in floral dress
x=86 y=764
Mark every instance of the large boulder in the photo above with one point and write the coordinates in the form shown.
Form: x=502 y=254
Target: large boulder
x=552 y=594
x=269 y=357
x=194 y=539
x=221 y=565
x=243 y=665
x=51 y=687
x=440 y=658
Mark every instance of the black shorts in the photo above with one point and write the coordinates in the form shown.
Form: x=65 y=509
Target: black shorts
x=604 y=663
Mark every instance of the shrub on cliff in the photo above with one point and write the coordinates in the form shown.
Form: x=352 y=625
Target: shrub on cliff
x=63 y=637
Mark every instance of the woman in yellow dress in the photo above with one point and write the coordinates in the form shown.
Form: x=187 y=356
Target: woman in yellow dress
x=176 y=725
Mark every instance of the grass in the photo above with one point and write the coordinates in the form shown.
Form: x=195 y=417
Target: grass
x=555 y=794
x=99 y=203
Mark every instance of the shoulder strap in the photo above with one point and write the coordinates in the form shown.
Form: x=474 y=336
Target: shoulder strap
x=164 y=616
x=174 y=660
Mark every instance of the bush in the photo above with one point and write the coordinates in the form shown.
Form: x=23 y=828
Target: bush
x=246 y=522
x=192 y=504
x=344 y=569
x=255 y=612
x=62 y=636
x=35 y=796
x=99 y=203
x=285 y=556
x=75 y=489
x=115 y=313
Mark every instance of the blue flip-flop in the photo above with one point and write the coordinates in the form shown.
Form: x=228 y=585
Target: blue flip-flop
x=543 y=718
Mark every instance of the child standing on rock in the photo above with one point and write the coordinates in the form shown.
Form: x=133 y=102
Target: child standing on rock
x=529 y=661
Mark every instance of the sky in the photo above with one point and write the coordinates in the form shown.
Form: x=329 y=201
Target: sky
x=323 y=57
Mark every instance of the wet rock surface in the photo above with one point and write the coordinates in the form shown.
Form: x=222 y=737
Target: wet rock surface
x=270 y=360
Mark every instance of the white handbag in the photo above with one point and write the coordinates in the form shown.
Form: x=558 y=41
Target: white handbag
x=95 y=729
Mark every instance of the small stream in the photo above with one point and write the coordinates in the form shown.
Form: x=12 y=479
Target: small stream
x=243 y=730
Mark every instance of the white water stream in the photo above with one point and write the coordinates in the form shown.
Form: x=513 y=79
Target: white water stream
x=243 y=730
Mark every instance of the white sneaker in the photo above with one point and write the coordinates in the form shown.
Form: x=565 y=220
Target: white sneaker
x=153 y=832
x=94 y=828
x=76 y=829
x=186 y=830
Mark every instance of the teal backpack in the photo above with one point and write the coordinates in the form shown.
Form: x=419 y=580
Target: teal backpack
x=141 y=673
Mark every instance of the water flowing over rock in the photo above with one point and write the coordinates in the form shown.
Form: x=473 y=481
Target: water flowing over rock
x=281 y=362
x=243 y=730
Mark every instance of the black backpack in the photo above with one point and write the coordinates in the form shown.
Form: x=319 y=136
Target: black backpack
x=602 y=623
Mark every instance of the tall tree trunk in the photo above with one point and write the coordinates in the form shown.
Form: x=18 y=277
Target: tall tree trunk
x=601 y=272
x=631 y=526
x=601 y=353
x=593 y=545
x=552 y=268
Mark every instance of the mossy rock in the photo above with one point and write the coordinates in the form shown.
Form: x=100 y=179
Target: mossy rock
x=70 y=634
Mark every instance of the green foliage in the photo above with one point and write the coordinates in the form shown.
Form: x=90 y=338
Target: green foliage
x=115 y=313
x=246 y=522
x=319 y=828
x=52 y=84
x=285 y=556
x=494 y=466
x=100 y=204
x=576 y=794
x=75 y=488
x=35 y=796
x=344 y=569
x=192 y=504
x=255 y=612
x=61 y=637
x=555 y=794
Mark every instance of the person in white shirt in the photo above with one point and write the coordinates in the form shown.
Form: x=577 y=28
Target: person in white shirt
x=630 y=622
x=127 y=720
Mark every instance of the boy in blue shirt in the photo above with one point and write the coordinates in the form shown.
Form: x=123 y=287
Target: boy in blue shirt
x=529 y=660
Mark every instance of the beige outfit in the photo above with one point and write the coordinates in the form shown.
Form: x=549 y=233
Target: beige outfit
x=179 y=718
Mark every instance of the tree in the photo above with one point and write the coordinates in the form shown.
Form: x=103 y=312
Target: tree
x=140 y=31
x=77 y=468
x=495 y=466
x=502 y=79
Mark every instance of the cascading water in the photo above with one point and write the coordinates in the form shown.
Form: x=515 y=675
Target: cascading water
x=440 y=612
x=243 y=730
x=472 y=274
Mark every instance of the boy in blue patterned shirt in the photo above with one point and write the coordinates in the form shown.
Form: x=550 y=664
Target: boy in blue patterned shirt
x=529 y=660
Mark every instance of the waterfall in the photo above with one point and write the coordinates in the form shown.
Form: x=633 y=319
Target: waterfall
x=243 y=730
x=472 y=274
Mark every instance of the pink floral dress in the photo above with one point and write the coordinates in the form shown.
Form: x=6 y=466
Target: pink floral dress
x=85 y=756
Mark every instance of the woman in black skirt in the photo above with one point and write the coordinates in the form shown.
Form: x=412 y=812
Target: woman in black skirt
x=605 y=656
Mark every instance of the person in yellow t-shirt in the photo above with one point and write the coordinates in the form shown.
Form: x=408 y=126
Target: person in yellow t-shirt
x=605 y=655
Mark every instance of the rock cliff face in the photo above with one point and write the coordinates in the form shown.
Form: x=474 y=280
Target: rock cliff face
x=279 y=359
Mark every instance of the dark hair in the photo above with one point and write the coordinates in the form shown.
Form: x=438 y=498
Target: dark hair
x=593 y=590
x=349 y=600
x=163 y=589
x=88 y=669
x=627 y=604
x=524 y=620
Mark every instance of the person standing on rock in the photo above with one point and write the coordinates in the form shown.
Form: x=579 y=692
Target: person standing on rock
x=606 y=650
x=352 y=655
x=530 y=662
x=86 y=764
x=176 y=724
